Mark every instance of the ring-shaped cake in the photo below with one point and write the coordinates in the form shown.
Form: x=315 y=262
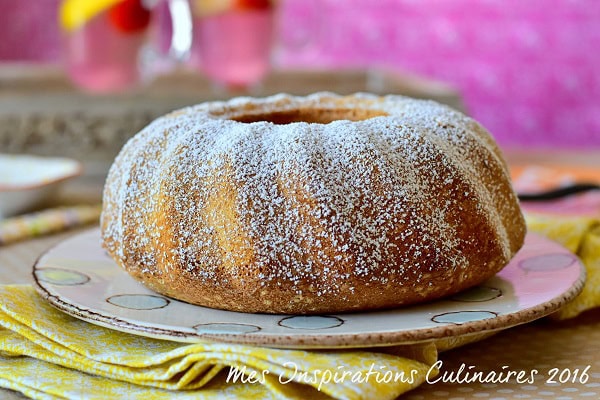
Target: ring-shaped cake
x=316 y=204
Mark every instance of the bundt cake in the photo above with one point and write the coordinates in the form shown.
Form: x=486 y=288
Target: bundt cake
x=316 y=204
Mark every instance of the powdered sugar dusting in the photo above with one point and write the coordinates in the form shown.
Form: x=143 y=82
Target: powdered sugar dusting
x=304 y=205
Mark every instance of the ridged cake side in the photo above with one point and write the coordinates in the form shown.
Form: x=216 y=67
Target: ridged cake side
x=304 y=217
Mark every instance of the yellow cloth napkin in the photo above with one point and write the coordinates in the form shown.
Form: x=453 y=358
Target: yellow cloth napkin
x=61 y=354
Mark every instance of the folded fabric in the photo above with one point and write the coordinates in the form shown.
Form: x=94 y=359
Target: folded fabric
x=66 y=358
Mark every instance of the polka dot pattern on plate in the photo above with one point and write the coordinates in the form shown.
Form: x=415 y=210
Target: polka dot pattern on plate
x=474 y=311
x=138 y=301
x=460 y=317
x=478 y=294
x=548 y=262
x=311 y=322
x=61 y=277
x=225 y=329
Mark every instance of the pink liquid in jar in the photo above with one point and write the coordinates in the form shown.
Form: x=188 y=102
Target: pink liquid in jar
x=102 y=59
x=234 y=48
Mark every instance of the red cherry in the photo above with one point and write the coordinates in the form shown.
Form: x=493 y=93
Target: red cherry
x=252 y=4
x=129 y=16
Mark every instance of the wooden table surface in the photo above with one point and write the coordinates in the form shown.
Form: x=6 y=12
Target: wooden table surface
x=544 y=346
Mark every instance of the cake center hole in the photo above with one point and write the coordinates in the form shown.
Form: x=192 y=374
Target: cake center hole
x=314 y=116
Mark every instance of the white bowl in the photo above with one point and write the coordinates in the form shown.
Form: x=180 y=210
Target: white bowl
x=27 y=181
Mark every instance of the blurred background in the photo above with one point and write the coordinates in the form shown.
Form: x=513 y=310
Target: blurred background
x=528 y=70
x=80 y=77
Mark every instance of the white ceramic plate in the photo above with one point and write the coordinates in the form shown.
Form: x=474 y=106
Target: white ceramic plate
x=79 y=278
x=27 y=180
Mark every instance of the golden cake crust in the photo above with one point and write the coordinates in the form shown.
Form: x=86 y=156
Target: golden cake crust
x=316 y=204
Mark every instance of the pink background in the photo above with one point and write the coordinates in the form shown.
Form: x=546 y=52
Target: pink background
x=529 y=70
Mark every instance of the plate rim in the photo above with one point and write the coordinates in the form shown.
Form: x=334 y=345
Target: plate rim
x=309 y=340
